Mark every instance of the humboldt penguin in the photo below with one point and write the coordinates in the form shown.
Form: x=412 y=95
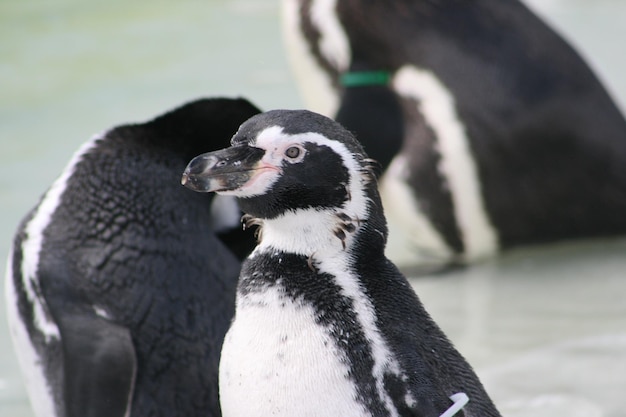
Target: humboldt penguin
x=120 y=282
x=325 y=324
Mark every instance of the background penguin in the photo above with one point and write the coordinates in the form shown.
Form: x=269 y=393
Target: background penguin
x=492 y=130
x=119 y=296
x=325 y=325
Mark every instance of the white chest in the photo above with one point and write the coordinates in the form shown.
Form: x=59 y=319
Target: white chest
x=277 y=361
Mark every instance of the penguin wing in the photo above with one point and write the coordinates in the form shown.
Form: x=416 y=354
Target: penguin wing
x=433 y=369
x=99 y=363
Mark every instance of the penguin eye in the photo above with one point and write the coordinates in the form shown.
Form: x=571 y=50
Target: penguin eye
x=292 y=152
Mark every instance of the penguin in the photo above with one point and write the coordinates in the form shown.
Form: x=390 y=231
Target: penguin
x=325 y=324
x=119 y=295
x=492 y=131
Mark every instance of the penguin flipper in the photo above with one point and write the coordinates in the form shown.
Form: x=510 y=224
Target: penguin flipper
x=99 y=366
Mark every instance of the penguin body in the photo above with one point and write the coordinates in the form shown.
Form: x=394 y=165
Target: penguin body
x=492 y=131
x=119 y=296
x=325 y=324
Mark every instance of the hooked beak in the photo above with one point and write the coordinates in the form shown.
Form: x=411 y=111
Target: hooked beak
x=224 y=170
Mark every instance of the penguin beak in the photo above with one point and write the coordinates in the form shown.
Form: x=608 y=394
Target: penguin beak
x=224 y=170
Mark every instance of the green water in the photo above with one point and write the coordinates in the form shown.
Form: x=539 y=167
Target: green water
x=546 y=328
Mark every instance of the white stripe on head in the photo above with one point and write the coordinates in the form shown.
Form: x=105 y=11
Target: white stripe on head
x=457 y=164
x=33 y=241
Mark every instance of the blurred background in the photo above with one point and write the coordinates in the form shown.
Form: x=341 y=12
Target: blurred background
x=544 y=327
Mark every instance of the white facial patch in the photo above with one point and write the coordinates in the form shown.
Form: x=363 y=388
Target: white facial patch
x=275 y=143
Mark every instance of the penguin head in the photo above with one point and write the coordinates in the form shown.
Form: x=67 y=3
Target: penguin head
x=288 y=160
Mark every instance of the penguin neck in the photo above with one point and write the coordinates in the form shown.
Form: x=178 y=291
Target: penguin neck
x=312 y=232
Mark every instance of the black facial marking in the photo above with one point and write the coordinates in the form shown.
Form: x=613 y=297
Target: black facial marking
x=316 y=182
